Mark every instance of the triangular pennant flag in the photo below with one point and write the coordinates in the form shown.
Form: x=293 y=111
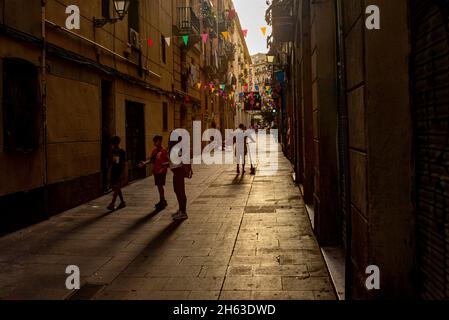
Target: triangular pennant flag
x=199 y=85
x=204 y=36
x=264 y=31
x=245 y=33
x=168 y=40
x=150 y=42
x=225 y=34
x=185 y=39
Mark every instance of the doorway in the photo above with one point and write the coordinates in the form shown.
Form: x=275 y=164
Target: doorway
x=135 y=139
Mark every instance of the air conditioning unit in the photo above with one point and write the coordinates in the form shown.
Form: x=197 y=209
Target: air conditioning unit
x=134 y=38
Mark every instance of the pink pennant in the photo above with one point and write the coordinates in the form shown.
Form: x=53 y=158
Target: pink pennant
x=204 y=36
x=245 y=33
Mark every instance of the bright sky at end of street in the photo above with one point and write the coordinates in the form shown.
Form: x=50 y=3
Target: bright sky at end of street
x=252 y=17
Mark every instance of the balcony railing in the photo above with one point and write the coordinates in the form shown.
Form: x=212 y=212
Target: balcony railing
x=188 y=22
x=207 y=14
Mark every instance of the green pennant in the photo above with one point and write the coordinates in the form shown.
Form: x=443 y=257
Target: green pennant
x=185 y=39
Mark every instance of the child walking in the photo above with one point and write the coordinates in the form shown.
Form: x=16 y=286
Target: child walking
x=160 y=162
x=117 y=171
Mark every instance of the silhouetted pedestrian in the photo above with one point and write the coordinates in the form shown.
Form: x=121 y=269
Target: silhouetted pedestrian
x=117 y=173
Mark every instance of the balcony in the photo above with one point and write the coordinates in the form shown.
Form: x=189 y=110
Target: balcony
x=224 y=23
x=209 y=20
x=283 y=21
x=229 y=51
x=187 y=23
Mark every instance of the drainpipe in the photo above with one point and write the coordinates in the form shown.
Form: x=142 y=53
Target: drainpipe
x=44 y=105
x=344 y=144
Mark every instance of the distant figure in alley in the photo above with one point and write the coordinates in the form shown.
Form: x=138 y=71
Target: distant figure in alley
x=117 y=173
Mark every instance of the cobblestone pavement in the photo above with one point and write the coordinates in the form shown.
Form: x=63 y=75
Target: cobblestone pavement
x=246 y=238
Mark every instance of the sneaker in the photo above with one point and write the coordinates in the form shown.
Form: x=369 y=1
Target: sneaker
x=111 y=207
x=161 y=205
x=181 y=216
x=121 y=205
x=177 y=213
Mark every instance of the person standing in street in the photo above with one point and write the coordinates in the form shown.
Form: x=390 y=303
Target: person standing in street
x=240 y=155
x=117 y=173
x=159 y=160
x=179 y=175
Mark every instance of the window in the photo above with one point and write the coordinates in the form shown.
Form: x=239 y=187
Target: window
x=165 y=116
x=164 y=49
x=105 y=9
x=20 y=105
x=183 y=116
x=133 y=15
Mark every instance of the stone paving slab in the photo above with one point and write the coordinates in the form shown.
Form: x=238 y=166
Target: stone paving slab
x=247 y=237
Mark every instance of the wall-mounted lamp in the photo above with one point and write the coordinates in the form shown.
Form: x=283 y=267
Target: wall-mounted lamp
x=121 y=8
x=271 y=56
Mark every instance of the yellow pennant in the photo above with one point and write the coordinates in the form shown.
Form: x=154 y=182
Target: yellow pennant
x=225 y=34
x=264 y=31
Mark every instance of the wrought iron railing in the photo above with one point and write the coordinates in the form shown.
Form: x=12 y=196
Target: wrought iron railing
x=188 y=22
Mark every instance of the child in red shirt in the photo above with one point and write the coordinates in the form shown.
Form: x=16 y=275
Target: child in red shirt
x=159 y=160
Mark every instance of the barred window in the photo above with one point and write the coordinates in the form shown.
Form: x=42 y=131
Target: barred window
x=163 y=49
x=106 y=9
x=133 y=15
x=20 y=105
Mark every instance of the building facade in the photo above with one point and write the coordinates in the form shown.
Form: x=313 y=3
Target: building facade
x=366 y=135
x=260 y=71
x=240 y=69
x=65 y=93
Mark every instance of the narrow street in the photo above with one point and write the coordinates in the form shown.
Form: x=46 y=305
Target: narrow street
x=246 y=238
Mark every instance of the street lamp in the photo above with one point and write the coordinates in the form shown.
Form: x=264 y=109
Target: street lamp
x=121 y=8
x=271 y=56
